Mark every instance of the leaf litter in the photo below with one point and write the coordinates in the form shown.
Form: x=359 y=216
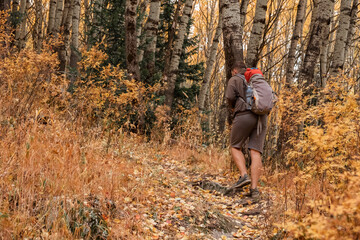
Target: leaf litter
x=185 y=204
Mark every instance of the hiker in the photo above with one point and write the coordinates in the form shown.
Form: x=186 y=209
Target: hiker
x=244 y=125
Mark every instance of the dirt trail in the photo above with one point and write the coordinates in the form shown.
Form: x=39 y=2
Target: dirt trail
x=185 y=204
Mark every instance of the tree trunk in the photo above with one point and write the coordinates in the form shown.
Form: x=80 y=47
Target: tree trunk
x=75 y=54
x=140 y=21
x=171 y=36
x=52 y=13
x=232 y=37
x=351 y=32
x=131 y=39
x=341 y=37
x=319 y=20
x=243 y=10
x=65 y=30
x=175 y=58
x=58 y=17
x=298 y=28
x=252 y=56
x=209 y=66
x=37 y=30
x=325 y=48
x=21 y=27
x=151 y=28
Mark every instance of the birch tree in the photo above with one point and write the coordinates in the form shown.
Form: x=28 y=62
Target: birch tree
x=232 y=37
x=51 y=19
x=140 y=21
x=353 y=19
x=38 y=26
x=175 y=57
x=65 y=30
x=151 y=28
x=319 y=20
x=325 y=48
x=58 y=16
x=209 y=65
x=131 y=39
x=243 y=10
x=74 y=57
x=299 y=23
x=21 y=27
x=252 y=55
x=341 y=37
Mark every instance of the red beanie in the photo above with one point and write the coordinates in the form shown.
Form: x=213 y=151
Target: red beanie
x=251 y=71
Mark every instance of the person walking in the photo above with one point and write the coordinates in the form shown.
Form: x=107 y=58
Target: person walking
x=244 y=125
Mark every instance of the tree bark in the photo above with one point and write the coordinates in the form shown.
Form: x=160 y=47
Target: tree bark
x=140 y=21
x=21 y=27
x=325 y=48
x=74 y=47
x=58 y=17
x=52 y=13
x=351 y=32
x=319 y=20
x=341 y=37
x=252 y=56
x=37 y=30
x=243 y=10
x=298 y=28
x=175 y=58
x=65 y=30
x=209 y=66
x=232 y=37
x=131 y=39
x=151 y=28
x=171 y=36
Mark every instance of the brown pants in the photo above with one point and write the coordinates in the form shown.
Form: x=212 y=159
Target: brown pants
x=245 y=125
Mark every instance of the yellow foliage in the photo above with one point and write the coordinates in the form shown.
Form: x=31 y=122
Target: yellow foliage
x=325 y=159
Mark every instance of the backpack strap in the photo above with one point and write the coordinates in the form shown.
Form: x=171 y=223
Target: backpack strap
x=246 y=84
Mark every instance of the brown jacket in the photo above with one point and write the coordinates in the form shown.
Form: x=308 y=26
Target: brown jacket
x=235 y=95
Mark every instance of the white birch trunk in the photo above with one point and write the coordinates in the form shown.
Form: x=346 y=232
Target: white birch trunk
x=175 y=58
x=325 y=49
x=74 y=57
x=298 y=28
x=233 y=48
x=58 y=17
x=151 y=28
x=252 y=55
x=209 y=66
x=37 y=30
x=322 y=13
x=142 y=9
x=341 y=37
x=351 y=32
x=51 y=21
x=20 y=29
x=243 y=11
x=64 y=55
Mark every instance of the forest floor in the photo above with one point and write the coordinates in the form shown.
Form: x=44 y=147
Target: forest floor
x=183 y=200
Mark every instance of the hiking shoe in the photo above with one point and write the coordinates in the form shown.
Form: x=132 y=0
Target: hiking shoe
x=255 y=194
x=243 y=181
